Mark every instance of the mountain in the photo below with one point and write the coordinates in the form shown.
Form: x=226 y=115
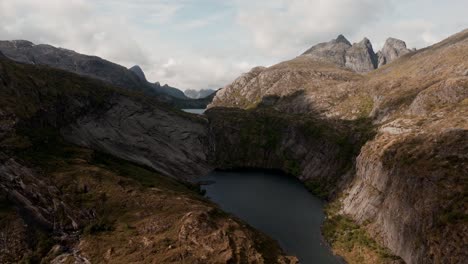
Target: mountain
x=297 y=74
x=386 y=148
x=139 y=72
x=166 y=89
x=392 y=50
x=360 y=56
x=197 y=94
x=95 y=67
x=91 y=173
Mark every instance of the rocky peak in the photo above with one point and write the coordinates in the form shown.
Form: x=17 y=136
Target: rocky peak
x=139 y=72
x=392 y=50
x=333 y=51
x=360 y=56
x=342 y=39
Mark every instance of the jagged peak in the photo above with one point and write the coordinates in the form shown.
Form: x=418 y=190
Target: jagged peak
x=367 y=43
x=342 y=39
x=365 y=40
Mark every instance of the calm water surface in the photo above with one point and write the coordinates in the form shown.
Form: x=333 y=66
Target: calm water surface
x=195 y=111
x=277 y=205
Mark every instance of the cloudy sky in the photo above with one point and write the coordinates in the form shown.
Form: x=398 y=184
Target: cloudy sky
x=207 y=43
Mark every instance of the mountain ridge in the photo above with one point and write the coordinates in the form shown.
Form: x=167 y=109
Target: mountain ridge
x=359 y=56
x=91 y=66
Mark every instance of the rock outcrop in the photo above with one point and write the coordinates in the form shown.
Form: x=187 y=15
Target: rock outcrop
x=333 y=51
x=360 y=56
x=392 y=50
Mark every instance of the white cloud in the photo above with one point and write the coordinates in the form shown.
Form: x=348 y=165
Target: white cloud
x=288 y=26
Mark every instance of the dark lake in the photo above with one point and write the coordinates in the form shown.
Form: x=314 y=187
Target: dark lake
x=278 y=205
x=195 y=111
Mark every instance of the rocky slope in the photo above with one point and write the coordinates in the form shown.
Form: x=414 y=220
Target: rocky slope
x=95 y=67
x=360 y=56
x=406 y=185
x=82 y=205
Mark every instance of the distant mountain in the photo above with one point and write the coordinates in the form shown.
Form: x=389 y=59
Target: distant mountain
x=166 y=89
x=91 y=66
x=197 y=94
x=360 y=56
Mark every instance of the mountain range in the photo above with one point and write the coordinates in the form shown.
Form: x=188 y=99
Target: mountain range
x=95 y=67
x=96 y=169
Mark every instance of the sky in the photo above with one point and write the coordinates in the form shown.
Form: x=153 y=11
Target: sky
x=201 y=44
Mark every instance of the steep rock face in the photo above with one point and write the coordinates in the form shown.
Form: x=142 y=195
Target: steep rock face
x=171 y=144
x=392 y=50
x=307 y=148
x=404 y=190
x=361 y=57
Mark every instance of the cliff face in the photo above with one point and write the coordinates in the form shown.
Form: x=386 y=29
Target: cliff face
x=167 y=141
x=409 y=179
x=311 y=149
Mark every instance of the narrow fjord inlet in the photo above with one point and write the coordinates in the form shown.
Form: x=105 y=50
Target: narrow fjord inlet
x=278 y=205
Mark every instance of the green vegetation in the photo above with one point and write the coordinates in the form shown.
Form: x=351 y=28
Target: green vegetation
x=292 y=167
x=351 y=239
x=319 y=188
